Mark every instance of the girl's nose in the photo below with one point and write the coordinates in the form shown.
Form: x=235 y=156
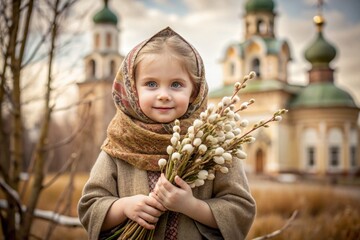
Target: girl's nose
x=164 y=96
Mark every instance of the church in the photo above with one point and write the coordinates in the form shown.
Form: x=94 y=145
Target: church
x=320 y=133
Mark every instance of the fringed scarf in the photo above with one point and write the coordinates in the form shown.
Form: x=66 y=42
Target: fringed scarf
x=131 y=135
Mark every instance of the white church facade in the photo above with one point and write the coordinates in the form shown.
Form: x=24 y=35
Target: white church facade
x=320 y=133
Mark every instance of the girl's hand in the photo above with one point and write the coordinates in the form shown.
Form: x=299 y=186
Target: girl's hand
x=181 y=199
x=145 y=210
x=176 y=199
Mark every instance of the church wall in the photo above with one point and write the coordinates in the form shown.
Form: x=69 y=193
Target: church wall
x=95 y=119
x=252 y=52
x=231 y=67
x=269 y=64
x=272 y=165
x=332 y=127
x=289 y=155
x=283 y=145
x=265 y=102
x=281 y=66
x=270 y=141
x=102 y=65
x=264 y=145
x=251 y=27
x=287 y=143
x=271 y=67
x=99 y=69
x=274 y=143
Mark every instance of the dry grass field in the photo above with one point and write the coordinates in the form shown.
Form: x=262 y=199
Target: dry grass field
x=324 y=211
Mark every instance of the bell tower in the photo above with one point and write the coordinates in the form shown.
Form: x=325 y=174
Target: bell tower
x=259 y=18
x=100 y=66
x=261 y=51
x=102 y=62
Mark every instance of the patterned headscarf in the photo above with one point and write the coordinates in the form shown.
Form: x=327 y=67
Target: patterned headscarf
x=131 y=134
x=124 y=90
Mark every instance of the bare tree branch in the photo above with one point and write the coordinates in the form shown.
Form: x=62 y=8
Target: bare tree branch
x=69 y=162
x=39 y=153
x=49 y=216
x=37 y=47
x=59 y=144
x=26 y=30
x=69 y=139
x=12 y=193
x=277 y=232
x=66 y=196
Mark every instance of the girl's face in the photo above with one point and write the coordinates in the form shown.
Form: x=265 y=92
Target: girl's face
x=164 y=87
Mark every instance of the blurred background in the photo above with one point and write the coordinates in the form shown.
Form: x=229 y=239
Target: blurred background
x=59 y=58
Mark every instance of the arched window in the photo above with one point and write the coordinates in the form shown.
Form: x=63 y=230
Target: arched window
x=271 y=26
x=97 y=41
x=108 y=40
x=255 y=66
x=112 y=68
x=260 y=161
x=247 y=25
x=335 y=140
x=353 y=151
x=232 y=69
x=310 y=156
x=261 y=27
x=309 y=148
x=92 y=68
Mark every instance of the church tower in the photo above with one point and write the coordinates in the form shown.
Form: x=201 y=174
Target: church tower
x=101 y=65
x=261 y=51
x=325 y=115
x=259 y=19
x=104 y=59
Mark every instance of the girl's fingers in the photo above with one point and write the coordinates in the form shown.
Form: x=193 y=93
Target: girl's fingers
x=165 y=184
x=149 y=218
x=155 y=202
x=145 y=224
x=181 y=183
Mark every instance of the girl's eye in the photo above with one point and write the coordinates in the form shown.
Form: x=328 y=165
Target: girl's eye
x=176 y=85
x=151 y=84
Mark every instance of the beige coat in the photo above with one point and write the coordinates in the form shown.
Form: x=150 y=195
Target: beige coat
x=227 y=195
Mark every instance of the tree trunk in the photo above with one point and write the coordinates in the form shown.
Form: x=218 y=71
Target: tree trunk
x=16 y=135
x=37 y=185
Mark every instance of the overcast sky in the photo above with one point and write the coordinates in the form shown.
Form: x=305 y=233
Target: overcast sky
x=211 y=25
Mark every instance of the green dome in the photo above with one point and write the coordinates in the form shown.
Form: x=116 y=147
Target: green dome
x=259 y=5
x=320 y=52
x=105 y=15
x=324 y=94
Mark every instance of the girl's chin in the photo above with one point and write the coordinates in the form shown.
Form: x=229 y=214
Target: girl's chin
x=164 y=120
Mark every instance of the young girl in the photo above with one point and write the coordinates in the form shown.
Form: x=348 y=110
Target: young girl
x=160 y=80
